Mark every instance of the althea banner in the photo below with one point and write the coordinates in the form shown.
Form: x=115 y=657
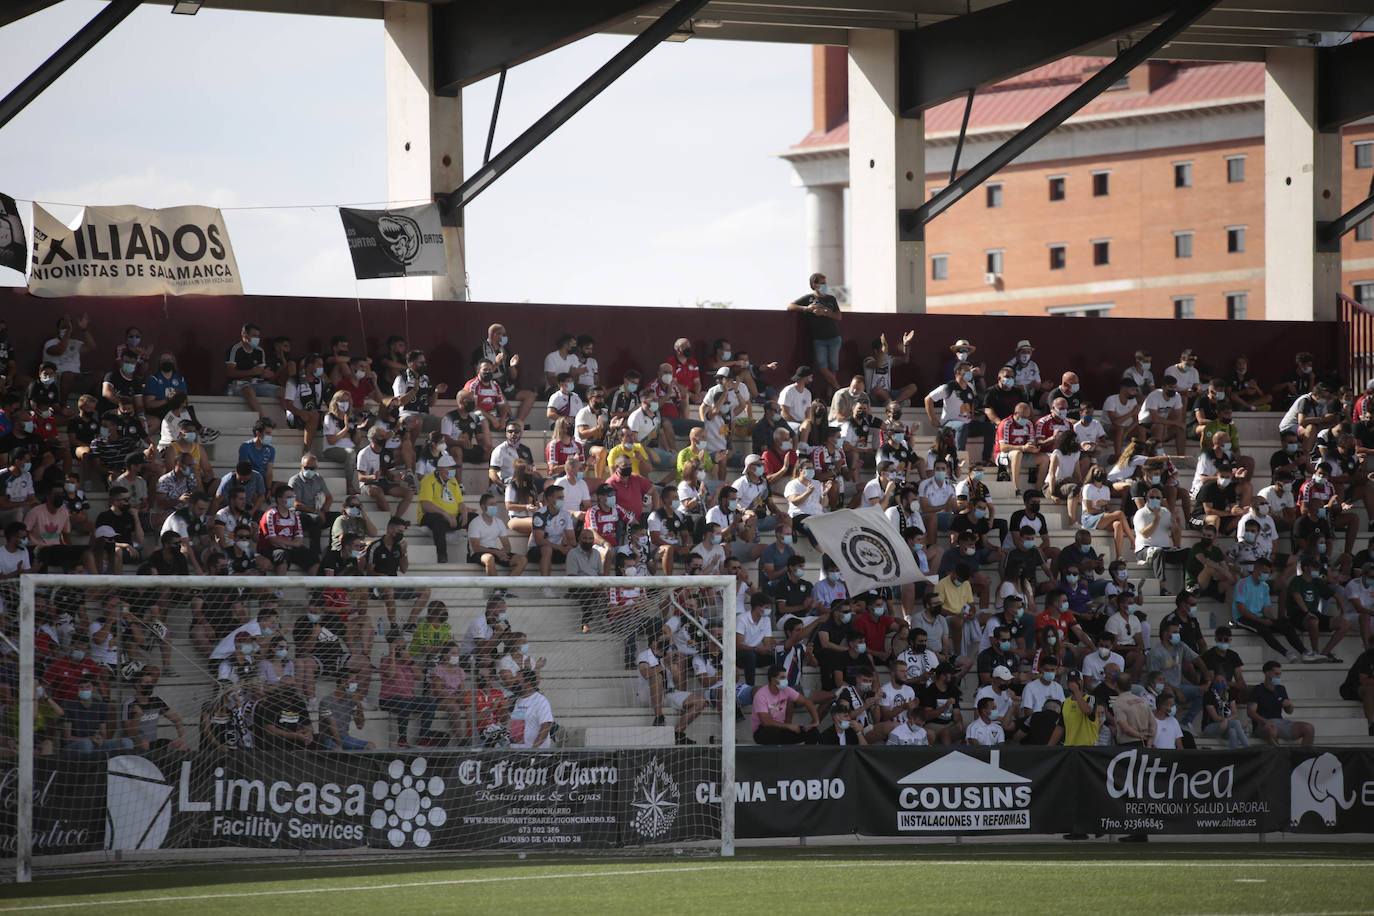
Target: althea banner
x=134 y=251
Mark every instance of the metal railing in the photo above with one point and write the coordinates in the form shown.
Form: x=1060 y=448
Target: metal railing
x=1357 y=342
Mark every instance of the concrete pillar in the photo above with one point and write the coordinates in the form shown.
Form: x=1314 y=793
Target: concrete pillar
x=886 y=174
x=825 y=232
x=1302 y=184
x=424 y=139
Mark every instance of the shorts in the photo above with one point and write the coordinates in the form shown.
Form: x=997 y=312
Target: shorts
x=674 y=698
x=1298 y=620
x=827 y=353
x=477 y=557
x=301 y=556
x=557 y=556
x=1090 y=520
x=260 y=388
x=1284 y=726
x=389 y=486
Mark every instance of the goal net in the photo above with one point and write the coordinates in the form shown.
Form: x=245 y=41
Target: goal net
x=151 y=715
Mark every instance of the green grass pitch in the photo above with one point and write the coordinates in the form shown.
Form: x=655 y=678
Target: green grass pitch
x=1195 y=878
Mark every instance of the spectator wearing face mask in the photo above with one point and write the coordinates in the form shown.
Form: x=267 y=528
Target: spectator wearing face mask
x=1221 y=661
x=1268 y=706
x=1162 y=414
x=1027 y=373
x=1014 y=443
x=1069 y=392
x=959 y=402
x=879 y=366
x=986 y=729
x=822 y=312
x=1157 y=537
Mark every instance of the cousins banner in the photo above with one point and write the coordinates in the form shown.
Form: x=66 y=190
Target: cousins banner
x=615 y=799
x=14 y=241
x=133 y=251
x=395 y=243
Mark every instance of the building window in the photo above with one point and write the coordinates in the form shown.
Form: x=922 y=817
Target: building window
x=1235 y=169
x=1364 y=230
x=1183 y=174
x=994 y=195
x=1059 y=257
x=994 y=261
x=1101 y=184
x=1183 y=306
x=939 y=267
x=1183 y=244
x=1364 y=155
x=1235 y=239
x=1092 y=310
x=1102 y=252
x=1237 y=306
x=1363 y=293
x=1057 y=187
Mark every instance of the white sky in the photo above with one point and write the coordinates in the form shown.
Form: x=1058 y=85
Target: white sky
x=663 y=191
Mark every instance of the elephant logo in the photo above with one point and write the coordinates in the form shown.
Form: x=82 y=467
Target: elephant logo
x=1317 y=784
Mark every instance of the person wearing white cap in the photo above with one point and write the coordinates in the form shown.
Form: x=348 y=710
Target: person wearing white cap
x=1006 y=703
x=1027 y=372
x=441 y=504
x=751 y=489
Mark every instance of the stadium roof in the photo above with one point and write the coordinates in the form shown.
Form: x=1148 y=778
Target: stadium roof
x=1017 y=101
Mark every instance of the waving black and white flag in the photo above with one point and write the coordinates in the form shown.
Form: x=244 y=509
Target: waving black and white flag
x=14 y=241
x=866 y=547
x=395 y=243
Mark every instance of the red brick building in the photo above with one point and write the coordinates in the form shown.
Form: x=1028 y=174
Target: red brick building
x=1146 y=203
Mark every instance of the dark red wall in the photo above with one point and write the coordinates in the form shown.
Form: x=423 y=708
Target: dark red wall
x=199 y=329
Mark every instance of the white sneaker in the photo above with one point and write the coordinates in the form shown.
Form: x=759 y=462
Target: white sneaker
x=1310 y=657
x=1292 y=656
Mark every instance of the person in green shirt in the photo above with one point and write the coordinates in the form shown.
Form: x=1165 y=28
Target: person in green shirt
x=1205 y=569
x=431 y=634
x=1303 y=603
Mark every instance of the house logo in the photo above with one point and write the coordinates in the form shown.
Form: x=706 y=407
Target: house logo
x=401 y=237
x=655 y=801
x=959 y=792
x=1318 y=786
x=406 y=804
x=138 y=804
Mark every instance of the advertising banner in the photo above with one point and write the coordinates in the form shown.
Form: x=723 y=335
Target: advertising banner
x=790 y=791
x=407 y=242
x=911 y=791
x=613 y=799
x=1143 y=790
x=134 y=251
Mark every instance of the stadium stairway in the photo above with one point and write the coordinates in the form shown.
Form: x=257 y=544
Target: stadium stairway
x=594 y=694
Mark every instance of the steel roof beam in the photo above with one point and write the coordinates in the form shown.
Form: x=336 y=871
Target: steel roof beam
x=911 y=223
x=1345 y=84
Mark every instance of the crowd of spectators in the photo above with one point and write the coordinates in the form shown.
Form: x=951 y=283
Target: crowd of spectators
x=705 y=463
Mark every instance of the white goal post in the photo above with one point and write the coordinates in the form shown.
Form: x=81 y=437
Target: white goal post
x=617 y=615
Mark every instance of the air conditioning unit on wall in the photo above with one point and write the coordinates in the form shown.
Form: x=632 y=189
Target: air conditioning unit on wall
x=991 y=278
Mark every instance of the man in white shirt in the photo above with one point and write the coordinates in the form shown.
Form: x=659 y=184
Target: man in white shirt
x=1268 y=534
x=564 y=401
x=652 y=433
x=1128 y=633
x=754 y=637
x=1121 y=409
x=985 y=730
x=564 y=359
x=938 y=506
x=1157 y=536
x=531 y=719
x=1043 y=688
x=489 y=540
x=1139 y=372
x=795 y=398
x=1168 y=730
x=1161 y=413
x=1090 y=432
x=1185 y=373
x=911 y=731
x=1103 y=664
x=1280 y=495
x=895 y=698
x=577 y=497
x=1359 y=604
